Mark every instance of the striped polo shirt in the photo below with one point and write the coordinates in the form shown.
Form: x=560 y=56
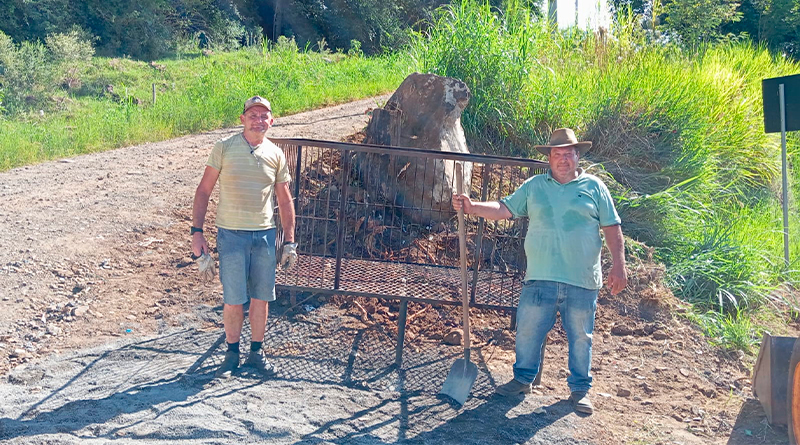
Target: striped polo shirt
x=247 y=178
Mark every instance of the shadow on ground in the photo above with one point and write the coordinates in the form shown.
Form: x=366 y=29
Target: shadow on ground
x=146 y=390
x=752 y=427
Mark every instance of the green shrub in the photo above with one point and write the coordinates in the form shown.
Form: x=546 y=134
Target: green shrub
x=714 y=271
x=32 y=74
x=355 y=49
x=27 y=76
x=227 y=35
x=733 y=331
x=74 y=46
x=71 y=56
x=7 y=54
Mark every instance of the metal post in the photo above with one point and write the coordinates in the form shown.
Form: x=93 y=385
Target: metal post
x=479 y=239
x=154 y=94
x=297 y=179
x=401 y=333
x=341 y=220
x=785 y=177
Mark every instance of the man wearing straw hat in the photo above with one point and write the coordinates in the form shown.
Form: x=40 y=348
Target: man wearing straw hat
x=250 y=170
x=567 y=208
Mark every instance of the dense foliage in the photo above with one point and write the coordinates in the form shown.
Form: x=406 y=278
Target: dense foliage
x=144 y=29
x=774 y=24
x=151 y=29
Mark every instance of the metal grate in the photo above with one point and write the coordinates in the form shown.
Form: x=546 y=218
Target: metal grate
x=360 y=232
x=383 y=279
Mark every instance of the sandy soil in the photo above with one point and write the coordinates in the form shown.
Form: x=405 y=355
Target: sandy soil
x=108 y=334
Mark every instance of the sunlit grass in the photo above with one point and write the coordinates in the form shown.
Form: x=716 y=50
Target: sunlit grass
x=192 y=94
x=731 y=331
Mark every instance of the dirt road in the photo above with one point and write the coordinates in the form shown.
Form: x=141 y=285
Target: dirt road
x=89 y=245
x=109 y=335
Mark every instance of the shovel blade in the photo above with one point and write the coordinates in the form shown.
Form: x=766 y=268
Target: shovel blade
x=459 y=381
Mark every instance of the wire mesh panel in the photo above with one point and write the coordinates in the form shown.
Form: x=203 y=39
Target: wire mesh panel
x=378 y=221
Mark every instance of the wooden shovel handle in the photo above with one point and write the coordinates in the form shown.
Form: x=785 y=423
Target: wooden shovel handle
x=462 y=247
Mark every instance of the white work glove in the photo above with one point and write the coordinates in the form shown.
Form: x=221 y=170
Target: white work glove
x=207 y=267
x=288 y=255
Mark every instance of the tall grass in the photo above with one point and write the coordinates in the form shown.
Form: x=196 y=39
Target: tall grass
x=679 y=132
x=731 y=331
x=194 y=94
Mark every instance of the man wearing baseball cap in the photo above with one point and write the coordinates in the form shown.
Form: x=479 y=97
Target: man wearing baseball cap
x=250 y=170
x=567 y=208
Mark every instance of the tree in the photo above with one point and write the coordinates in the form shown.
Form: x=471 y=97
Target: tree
x=779 y=26
x=698 y=21
x=774 y=23
x=25 y=20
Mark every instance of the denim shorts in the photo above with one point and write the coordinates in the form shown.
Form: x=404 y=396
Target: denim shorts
x=247 y=262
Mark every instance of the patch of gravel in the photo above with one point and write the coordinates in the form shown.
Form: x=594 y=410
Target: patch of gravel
x=338 y=388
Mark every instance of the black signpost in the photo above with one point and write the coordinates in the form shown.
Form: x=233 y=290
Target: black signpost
x=782 y=113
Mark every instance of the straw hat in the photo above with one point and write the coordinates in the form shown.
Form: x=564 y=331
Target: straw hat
x=564 y=137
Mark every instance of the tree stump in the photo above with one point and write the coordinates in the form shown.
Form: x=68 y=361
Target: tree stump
x=424 y=112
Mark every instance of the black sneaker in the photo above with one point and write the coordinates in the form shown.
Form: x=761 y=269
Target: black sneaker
x=229 y=365
x=257 y=361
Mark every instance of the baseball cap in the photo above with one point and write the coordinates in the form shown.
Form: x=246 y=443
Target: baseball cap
x=256 y=101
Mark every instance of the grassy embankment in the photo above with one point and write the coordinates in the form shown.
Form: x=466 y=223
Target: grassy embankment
x=678 y=134
x=194 y=93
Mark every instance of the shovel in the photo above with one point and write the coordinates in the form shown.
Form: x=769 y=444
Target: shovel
x=463 y=372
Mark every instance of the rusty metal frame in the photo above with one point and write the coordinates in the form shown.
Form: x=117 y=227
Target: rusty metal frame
x=329 y=188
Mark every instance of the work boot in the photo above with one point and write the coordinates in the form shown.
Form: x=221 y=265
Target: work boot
x=257 y=361
x=581 y=402
x=513 y=388
x=229 y=364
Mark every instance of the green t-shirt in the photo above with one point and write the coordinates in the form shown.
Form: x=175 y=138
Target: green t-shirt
x=247 y=182
x=563 y=241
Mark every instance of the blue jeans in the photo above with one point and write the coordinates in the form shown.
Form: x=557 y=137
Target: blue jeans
x=247 y=262
x=536 y=315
